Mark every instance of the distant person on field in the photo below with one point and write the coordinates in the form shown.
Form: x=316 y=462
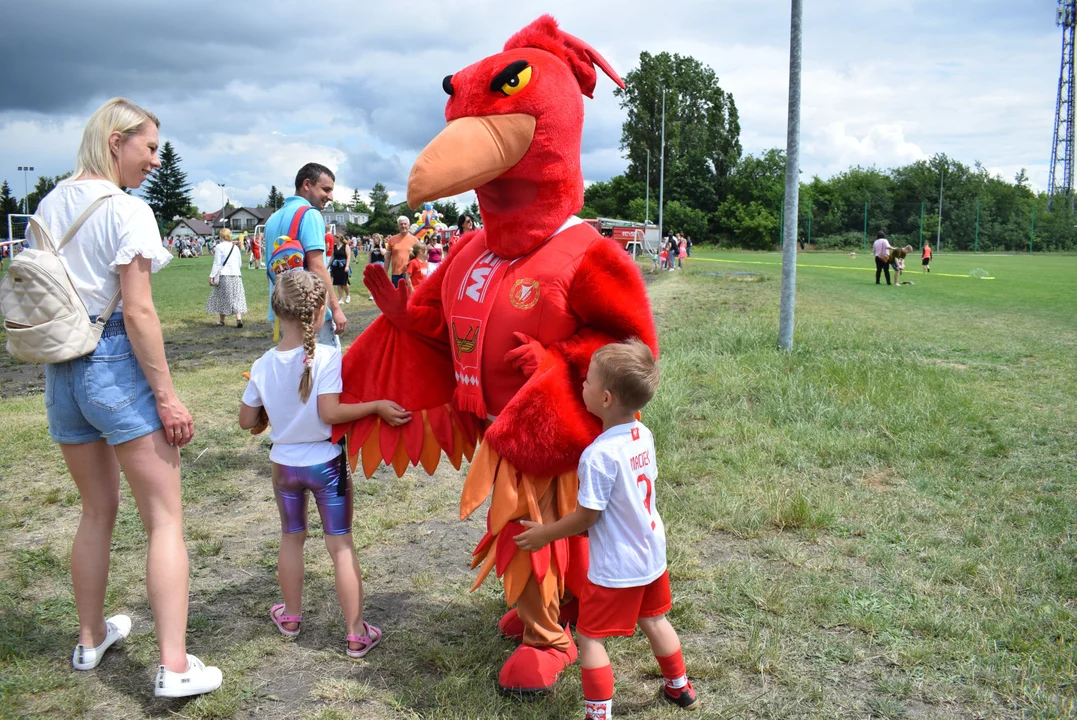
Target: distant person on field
x=295 y=387
x=617 y=507
x=117 y=409
x=925 y=261
x=897 y=259
x=682 y=252
x=340 y=268
x=228 y=296
x=417 y=265
x=882 y=250
x=314 y=187
x=399 y=247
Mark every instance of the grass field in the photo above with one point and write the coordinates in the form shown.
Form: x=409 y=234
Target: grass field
x=879 y=524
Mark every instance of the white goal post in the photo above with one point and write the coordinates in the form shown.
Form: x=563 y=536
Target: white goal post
x=17 y=226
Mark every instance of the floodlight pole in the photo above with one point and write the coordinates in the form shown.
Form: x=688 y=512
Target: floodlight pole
x=24 y=169
x=662 y=171
x=647 y=200
x=792 y=184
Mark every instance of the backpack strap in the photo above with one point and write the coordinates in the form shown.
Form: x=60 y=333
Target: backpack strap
x=293 y=231
x=75 y=226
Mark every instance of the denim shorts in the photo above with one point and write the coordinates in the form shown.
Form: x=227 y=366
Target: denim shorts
x=102 y=395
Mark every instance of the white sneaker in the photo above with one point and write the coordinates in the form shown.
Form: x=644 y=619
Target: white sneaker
x=197 y=680
x=348 y=299
x=87 y=658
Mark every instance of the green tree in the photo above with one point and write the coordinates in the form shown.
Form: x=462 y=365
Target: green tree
x=702 y=128
x=680 y=218
x=8 y=206
x=381 y=220
x=612 y=199
x=357 y=203
x=449 y=212
x=473 y=211
x=167 y=190
x=275 y=199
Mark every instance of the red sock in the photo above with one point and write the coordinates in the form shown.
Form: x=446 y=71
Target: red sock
x=673 y=671
x=598 y=692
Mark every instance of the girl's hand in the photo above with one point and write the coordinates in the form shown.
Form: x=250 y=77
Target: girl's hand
x=533 y=538
x=178 y=423
x=392 y=413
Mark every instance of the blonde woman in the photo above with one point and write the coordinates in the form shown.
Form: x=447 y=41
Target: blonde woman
x=117 y=408
x=226 y=279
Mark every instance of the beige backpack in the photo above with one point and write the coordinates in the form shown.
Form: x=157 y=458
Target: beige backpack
x=45 y=319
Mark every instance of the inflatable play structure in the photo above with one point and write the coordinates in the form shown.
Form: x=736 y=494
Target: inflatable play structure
x=503 y=333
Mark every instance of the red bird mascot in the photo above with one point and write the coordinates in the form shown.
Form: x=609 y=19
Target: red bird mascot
x=503 y=332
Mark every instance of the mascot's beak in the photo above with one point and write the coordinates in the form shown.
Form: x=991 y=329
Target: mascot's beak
x=468 y=153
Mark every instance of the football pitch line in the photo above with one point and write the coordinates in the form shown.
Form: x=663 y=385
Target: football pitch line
x=826 y=267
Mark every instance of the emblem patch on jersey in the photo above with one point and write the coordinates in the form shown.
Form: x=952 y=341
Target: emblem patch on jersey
x=635 y=433
x=524 y=294
x=465 y=337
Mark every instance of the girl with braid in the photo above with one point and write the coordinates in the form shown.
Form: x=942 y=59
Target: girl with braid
x=296 y=386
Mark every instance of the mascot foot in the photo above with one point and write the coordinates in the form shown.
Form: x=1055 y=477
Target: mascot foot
x=532 y=670
x=512 y=627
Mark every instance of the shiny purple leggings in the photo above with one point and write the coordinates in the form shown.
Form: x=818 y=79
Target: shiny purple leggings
x=332 y=495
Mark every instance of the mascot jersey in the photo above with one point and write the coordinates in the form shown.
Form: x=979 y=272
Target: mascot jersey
x=502 y=334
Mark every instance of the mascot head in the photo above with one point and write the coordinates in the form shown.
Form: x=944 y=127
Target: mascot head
x=515 y=122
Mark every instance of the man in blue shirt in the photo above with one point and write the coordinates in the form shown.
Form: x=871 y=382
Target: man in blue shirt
x=313 y=186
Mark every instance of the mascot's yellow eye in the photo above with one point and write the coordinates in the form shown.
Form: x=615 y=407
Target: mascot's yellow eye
x=516 y=82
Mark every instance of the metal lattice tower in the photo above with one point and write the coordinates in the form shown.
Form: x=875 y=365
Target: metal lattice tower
x=1062 y=147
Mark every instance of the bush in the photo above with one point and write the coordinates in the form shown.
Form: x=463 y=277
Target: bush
x=840 y=241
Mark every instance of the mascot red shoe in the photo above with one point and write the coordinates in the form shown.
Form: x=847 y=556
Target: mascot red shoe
x=490 y=352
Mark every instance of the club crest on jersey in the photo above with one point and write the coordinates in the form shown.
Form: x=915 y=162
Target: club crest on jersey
x=465 y=337
x=524 y=294
x=635 y=433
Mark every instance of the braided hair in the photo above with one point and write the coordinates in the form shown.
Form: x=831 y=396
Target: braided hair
x=297 y=296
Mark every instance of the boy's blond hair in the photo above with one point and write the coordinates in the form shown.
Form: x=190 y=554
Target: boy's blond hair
x=629 y=371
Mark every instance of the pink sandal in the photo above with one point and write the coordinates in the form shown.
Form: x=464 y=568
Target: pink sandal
x=279 y=620
x=372 y=638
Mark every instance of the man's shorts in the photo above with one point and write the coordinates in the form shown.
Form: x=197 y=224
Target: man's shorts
x=608 y=612
x=102 y=395
x=926 y=261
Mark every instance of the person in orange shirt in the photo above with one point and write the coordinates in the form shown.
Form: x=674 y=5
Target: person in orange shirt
x=399 y=249
x=926 y=262
x=416 y=270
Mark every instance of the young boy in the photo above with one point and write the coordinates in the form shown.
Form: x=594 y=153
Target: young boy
x=629 y=580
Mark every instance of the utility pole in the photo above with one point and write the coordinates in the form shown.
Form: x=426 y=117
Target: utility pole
x=662 y=170
x=938 y=237
x=792 y=184
x=647 y=211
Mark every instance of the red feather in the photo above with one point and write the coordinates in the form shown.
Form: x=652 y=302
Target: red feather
x=506 y=546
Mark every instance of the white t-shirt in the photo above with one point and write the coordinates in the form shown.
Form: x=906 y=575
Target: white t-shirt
x=299 y=436
x=617 y=476
x=220 y=254
x=881 y=247
x=122 y=228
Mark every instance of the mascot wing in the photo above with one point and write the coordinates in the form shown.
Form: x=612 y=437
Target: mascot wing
x=412 y=336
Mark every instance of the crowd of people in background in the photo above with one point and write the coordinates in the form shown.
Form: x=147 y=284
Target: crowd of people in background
x=672 y=253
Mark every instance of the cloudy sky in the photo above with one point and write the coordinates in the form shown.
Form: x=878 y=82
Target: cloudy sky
x=249 y=90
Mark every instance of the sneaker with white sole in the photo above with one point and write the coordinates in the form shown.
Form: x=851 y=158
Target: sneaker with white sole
x=87 y=658
x=197 y=680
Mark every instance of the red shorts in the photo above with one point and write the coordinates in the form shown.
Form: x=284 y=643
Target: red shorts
x=606 y=612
